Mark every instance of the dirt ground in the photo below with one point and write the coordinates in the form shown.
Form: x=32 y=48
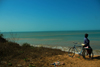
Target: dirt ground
x=76 y=61
x=13 y=55
x=43 y=57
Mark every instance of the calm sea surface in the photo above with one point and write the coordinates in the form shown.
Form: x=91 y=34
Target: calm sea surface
x=55 y=38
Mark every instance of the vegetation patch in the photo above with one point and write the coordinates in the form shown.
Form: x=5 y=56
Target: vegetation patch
x=26 y=45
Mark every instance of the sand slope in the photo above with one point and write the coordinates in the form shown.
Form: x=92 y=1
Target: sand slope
x=76 y=61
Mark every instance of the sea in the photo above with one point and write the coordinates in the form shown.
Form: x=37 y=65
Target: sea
x=62 y=40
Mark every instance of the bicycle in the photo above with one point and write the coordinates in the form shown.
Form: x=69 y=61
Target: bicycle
x=83 y=51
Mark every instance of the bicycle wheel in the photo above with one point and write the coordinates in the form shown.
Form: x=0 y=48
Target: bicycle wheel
x=85 y=55
x=92 y=55
x=71 y=52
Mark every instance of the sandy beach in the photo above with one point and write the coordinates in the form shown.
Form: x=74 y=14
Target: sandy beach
x=14 y=55
x=76 y=61
x=43 y=57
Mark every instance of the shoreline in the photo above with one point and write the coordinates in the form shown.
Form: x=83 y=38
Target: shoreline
x=66 y=49
x=63 y=48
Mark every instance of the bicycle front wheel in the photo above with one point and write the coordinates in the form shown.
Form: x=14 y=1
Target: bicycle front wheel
x=71 y=52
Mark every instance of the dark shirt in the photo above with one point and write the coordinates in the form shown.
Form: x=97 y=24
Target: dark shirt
x=86 y=42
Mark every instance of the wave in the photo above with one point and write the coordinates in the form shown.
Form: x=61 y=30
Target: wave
x=66 y=49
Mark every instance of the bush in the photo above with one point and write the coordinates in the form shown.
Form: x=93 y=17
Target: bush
x=26 y=45
x=1 y=35
x=9 y=64
x=2 y=39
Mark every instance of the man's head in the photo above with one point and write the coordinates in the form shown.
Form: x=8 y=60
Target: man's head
x=86 y=35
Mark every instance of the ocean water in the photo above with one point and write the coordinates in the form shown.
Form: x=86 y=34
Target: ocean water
x=56 y=39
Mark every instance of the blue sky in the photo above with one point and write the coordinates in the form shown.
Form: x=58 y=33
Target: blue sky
x=49 y=15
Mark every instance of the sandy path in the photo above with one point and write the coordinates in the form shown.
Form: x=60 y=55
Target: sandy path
x=76 y=61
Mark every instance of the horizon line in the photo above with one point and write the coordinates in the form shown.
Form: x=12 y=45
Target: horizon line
x=50 y=31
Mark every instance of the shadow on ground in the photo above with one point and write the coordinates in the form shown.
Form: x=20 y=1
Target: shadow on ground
x=97 y=57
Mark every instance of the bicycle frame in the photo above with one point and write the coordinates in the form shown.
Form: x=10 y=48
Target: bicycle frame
x=77 y=50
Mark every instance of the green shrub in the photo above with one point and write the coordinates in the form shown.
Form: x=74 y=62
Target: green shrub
x=30 y=65
x=1 y=35
x=2 y=39
x=9 y=64
x=25 y=59
x=26 y=45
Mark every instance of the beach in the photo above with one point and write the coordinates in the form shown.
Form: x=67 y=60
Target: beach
x=76 y=61
x=13 y=55
x=46 y=60
x=44 y=48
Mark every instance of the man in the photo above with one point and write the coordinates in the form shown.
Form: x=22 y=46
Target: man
x=87 y=45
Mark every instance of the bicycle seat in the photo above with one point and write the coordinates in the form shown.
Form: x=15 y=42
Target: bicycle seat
x=86 y=47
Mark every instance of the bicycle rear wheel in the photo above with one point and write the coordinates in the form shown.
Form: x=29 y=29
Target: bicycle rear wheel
x=92 y=55
x=71 y=52
x=85 y=55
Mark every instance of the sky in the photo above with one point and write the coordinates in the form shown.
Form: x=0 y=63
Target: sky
x=49 y=15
